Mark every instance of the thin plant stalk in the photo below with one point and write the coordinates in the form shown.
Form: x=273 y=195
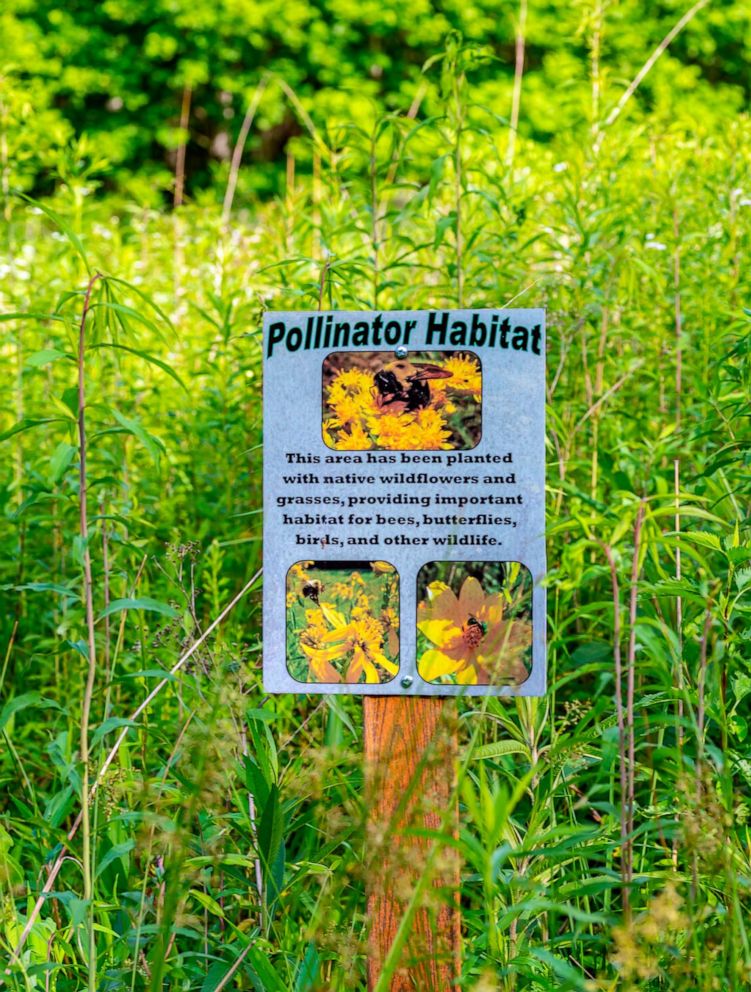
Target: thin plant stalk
x=458 y=181
x=374 y=213
x=701 y=701
x=679 y=630
x=678 y=318
x=618 y=678
x=182 y=147
x=88 y=595
x=516 y=97
x=633 y=86
x=630 y=687
x=237 y=151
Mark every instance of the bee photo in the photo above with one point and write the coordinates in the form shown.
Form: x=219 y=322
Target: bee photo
x=343 y=621
x=426 y=401
x=474 y=623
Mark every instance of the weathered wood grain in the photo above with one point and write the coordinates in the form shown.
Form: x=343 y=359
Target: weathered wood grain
x=410 y=753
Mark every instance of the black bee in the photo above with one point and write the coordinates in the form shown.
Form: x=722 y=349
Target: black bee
x=415 y=391
x=313 y=590
x=473 y=631
x=388 y=386
x=474 y=622
x=418 y=394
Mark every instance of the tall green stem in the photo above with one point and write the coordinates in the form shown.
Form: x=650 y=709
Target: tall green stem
x=88 y=887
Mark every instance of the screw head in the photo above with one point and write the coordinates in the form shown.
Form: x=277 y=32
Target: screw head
x=401 y=352
x=407 y=681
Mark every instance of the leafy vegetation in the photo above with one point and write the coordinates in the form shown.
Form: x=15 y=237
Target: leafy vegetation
x=162 y=823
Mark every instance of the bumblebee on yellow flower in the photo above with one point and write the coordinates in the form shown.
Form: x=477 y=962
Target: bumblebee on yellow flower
x=342 y=623
x=430 y=402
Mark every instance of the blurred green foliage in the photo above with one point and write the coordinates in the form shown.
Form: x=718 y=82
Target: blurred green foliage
x=229 y=842
x=120 y=70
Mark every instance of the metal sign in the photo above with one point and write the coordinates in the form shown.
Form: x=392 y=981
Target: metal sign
x=404 y=502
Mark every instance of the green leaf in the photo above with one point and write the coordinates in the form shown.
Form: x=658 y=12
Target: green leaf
x=58 y=221
x=22 y=315
x=23 y=702
x=125 y=311
x=44 y=357
x=60 y=462
x=207 y=902
x=110 y=724
x=703 y=539
x=27 y=424
x=116 y=852
x=270 y=828
x=152 y=444
x=499 y=748
x=47 y=587
x=150 y=673
x=147 y=358
x=143 y=603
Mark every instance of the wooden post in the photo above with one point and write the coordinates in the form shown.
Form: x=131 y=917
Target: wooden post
x=410 y=754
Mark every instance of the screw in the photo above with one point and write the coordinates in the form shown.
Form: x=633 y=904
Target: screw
x=407 y=681
x=401 y=352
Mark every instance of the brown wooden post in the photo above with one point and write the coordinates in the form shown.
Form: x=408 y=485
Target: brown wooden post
x=410 y=754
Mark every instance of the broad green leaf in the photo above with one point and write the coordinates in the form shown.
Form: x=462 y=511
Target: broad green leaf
x=22 y=702
x=153 y=445
x=27 y=425
x=142 y=603
x=498 y=749
x=207 y=902
x=60 y=462
x=110 y=724
x=114 y=854
x=44 y=357
x=147 y=358
x=703 y=538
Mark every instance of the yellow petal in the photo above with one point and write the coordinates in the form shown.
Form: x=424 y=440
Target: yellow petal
x=433 y=664
x=440 y=632
x=435 y=588
x=467 y=676
x=334 y=617
x=385 y=664
x=371 y=673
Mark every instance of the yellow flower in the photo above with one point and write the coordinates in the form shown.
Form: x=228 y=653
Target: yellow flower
x=382 y=567
x=392 y=430
x=340 y=590
x=359 y=642
x=299 y=571
x=466 y=376
x=354 y=440
x=472 y=642
x=362 y=605
x=432 y=433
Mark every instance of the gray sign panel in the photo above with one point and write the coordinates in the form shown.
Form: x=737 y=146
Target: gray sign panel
x=404 y=502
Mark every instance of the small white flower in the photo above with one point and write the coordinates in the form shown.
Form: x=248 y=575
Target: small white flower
x=656 y=245
x=560 y=167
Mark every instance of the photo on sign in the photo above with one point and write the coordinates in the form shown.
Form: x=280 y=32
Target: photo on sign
x=474 y=623
x=343 y=622
x=427 y=401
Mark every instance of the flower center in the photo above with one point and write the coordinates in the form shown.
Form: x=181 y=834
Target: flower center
x=473 y=632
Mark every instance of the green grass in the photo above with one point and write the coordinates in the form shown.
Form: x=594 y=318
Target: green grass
x=225 y=845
